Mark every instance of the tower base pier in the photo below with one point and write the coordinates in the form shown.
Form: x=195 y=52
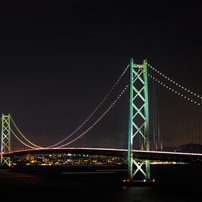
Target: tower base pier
x=138 y=183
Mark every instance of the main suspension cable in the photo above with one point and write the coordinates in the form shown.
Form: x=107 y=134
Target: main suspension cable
x=23 y=135
x=108 y=109
x=104 y=99
x=21 y=140
x=171 y=89
x=180 y=86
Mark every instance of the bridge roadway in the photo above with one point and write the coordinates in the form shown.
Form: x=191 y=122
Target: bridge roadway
x=137 y=154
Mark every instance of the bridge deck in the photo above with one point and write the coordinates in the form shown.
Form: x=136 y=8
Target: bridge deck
x=139 y=154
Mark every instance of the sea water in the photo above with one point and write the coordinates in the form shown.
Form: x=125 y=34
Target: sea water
x=173 y=183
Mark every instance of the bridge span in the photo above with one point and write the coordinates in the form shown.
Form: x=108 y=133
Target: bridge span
x=137 y=154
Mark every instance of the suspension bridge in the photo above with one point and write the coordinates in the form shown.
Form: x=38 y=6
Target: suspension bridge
x=163 y=116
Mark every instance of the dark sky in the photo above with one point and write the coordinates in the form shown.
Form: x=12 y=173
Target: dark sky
x=60 y=58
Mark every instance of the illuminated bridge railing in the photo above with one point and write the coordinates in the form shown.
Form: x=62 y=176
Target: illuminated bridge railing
x=137 y=154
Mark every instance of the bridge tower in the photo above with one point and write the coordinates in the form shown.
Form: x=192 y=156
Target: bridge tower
x=5 y=139
x=138 y=124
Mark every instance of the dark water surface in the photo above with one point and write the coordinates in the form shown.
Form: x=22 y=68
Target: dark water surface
x=173 y=183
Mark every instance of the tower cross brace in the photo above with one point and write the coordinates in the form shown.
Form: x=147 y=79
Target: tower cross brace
x=138 y=124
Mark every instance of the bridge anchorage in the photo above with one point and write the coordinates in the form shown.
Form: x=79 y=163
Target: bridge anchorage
x=138 y=123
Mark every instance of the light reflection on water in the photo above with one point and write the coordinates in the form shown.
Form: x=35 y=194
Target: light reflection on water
x=173 y=183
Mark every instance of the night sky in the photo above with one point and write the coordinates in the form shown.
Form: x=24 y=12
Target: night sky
x=60 y=58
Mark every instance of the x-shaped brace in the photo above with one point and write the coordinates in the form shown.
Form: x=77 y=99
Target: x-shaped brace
x=139 y=168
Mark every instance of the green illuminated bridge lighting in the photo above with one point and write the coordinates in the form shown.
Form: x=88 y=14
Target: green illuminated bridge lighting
x=154 y=121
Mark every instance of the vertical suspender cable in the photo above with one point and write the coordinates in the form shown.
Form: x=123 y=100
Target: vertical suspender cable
x=199 y=127
x=196 y=122
x=194 y=125
x=187 y=122
x=183 y=121
x=160 y=119
x=200 y=139
x=163 y=121
x=154 y=116
x=179 y=120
